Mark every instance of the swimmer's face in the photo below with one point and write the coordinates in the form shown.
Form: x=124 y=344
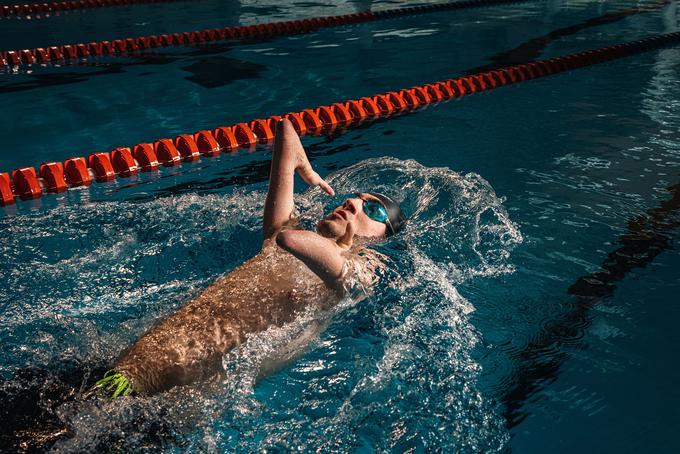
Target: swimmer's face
x=335 y=224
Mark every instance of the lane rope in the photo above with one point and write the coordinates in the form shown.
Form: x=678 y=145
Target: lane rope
x=32 y=9
x=54 y=177
x=122 y=47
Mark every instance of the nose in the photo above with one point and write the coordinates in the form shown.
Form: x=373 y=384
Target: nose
x=351 y=205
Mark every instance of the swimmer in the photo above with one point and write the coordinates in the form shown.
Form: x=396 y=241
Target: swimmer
x=296 y=270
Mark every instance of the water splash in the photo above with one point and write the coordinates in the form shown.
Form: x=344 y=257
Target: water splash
x=395 y=371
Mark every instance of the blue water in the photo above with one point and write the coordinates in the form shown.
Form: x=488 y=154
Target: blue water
x=474 y=342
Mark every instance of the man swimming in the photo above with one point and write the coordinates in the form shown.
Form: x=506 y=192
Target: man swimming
x=296 y=270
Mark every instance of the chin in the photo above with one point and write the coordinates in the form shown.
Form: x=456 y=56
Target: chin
x=330 y=228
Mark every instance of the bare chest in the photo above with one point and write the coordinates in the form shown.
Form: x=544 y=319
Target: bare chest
x=272 y=284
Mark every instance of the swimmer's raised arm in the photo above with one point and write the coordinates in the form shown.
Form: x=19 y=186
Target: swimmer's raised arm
x=288 y=156
x=322 y=255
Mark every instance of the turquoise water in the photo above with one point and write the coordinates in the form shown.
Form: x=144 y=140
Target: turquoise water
x=478 y=339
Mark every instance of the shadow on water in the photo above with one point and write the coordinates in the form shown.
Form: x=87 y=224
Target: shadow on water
x=532 y=49
x=29 y=402
x=206 y=68
x=56 y=79
x=34 y=400
x=539 y=363
x=219 y=71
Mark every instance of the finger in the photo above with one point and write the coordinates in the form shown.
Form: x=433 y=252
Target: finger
x=309 y=176
x=326 y=187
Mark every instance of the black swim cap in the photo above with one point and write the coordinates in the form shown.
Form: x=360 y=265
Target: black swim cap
x=394 y=213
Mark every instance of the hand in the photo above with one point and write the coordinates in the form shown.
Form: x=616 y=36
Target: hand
x=347 y=239
x=312 y=178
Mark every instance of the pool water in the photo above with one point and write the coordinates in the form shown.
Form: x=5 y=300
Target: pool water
x=529 y=302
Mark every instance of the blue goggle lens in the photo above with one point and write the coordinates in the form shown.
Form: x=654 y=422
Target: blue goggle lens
x=375 y=211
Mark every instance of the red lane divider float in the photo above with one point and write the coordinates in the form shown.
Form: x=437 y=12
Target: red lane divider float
x=34 y=9
x=56 y=54
x=123 y=162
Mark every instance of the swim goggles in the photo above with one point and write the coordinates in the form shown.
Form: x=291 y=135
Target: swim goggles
x=375 y=210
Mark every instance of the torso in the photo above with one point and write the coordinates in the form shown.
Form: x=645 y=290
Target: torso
x=268 y=290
